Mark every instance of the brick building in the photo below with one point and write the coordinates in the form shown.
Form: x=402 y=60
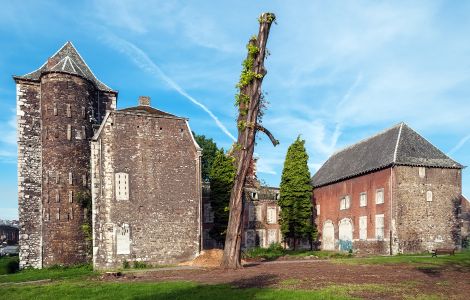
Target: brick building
x=59 y=108
x=391 y=193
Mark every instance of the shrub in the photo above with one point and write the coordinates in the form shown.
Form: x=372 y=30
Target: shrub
x=12 y=266
x=126 y=264
x=140 y=265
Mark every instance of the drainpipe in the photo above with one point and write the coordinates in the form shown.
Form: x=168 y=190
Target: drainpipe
x=391 y=209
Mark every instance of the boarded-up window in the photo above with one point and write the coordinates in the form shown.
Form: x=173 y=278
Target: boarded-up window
x=208 y=213
x=363 y=228
x=379 y=196
x=259 y=238
x=251 y=212
x=250 y=238
x=69 y=112
x=345 y=202
x=272 y=236
x=429 y=196
x=258 y=214
x=122 y=186
x=379 y=227
x=363 y=199
x=123 y=242
x=70 y=196
x=70 y=178
x=422 y=172
x=69 y=132
x=271 y=215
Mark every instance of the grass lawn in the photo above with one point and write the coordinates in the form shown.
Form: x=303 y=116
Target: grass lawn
x=61 y=273
x=276 y=251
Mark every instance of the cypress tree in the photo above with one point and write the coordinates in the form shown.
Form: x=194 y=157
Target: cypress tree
x=222 y=175
x=296 y=195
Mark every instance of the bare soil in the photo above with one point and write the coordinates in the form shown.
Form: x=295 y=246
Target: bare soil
x=364 y=281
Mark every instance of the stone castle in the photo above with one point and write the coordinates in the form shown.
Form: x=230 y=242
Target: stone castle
x=144 y=180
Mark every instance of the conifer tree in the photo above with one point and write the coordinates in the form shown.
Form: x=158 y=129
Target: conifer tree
x=222 y=175
x=296 y=195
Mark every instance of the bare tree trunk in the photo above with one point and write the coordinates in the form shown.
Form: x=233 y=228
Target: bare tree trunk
x=249 y=108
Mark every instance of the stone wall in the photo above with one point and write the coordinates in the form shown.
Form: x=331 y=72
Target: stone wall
x=29 y=173
x=158 y=160
x=426 y=208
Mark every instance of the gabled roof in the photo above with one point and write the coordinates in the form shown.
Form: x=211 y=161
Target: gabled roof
x=399 y=145
x=145 y=109
x=66 y=60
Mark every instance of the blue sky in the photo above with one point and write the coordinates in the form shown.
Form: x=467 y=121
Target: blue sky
x=339 y=71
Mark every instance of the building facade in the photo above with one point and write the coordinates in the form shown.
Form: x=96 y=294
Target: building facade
x=146 y=188
x=392 y=193
x=9 y=235
x=60 y=107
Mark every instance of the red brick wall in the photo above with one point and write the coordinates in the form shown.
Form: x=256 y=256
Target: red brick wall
x=329 y=199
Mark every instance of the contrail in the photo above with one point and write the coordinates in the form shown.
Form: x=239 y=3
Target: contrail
x=459 y=144
x=143 y=61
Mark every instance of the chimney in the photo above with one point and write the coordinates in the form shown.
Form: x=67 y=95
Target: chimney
x=144 y=101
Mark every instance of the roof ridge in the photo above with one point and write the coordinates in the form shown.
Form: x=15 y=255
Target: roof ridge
x=366 y=139
x=398 y=143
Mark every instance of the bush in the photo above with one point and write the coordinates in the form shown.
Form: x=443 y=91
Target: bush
x=126 y=264
x=12 y=266
x=140 y=265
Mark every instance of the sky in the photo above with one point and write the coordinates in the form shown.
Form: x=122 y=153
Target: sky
x=339 y=71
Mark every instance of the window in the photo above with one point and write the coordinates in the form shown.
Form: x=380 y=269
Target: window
x=259 y=238
x=379 y=227
x=55 y=109
x=57 y=215
x=70 y=196
x=83 y=112
x=422 y=172
x=122 y=186
x=69 y=132
x=123 y=243
x=69 y=112
x=271 y=215
x=429 y=196
x=83 y=132
x=84 y=181
x=318 y=209
x=254 y=195
x=363 y=228
x=363 y=199
x=57 y=196
x=70 y=178
x=276 y=196
x=345 y=203
x=272 y=236
x=258 y=214
x=379 y=196
x=208 y=213
x=71 y=213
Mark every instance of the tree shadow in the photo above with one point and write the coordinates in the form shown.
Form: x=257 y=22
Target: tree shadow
x=258 y=281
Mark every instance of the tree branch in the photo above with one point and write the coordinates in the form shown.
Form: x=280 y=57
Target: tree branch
x=268 y=133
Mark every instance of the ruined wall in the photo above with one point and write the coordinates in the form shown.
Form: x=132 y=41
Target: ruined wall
x=29 y=173
x=423 y=225
x=160 y=164
x=326 y=201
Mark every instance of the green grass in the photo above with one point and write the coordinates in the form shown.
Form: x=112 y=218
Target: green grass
x=276 y=251
x=8 y=264
x=53 y=273
x=459 y=260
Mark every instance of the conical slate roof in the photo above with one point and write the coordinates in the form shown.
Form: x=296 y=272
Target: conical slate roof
x=66 y=60
x=399 y=145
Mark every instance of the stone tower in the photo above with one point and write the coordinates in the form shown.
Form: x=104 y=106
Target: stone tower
x=58 y=107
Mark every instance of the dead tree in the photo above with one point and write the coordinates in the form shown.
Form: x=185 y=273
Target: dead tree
x=249 y=102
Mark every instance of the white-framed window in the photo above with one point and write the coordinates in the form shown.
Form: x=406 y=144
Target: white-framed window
x=70 y=178
x=379 y=196
x=259 y=238
x=70 y=196
x=254 y=195
x=363 y=199
x=318 y=209
x=363 y=227
x=379 y=227
x=429 y=196
x=122 y=186
x=208 y=213
x=422 y=172
x=272 y=236
x=345 y=202
x=271 y=217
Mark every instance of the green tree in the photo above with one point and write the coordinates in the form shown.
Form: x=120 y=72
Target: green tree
x=209 y=149
x=296 y=195
x=222 y=175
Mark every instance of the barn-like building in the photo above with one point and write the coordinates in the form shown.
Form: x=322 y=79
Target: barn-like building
x=391 y=193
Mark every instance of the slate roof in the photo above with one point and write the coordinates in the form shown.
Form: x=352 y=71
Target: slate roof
x=66 y=60
x=399 y=145
x=144 y=109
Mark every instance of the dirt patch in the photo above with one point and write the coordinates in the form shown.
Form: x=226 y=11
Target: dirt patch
x=364 y=281
x=207 y=259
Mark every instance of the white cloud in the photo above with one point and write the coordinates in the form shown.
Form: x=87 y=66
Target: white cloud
x=460 y=144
